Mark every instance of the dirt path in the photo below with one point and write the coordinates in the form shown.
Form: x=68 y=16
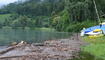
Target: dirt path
x=62 y=49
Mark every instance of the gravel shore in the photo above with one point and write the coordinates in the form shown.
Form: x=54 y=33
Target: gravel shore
x=62 y=49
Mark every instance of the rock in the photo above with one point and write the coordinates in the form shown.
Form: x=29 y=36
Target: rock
x=38 y=44
x=14 y=43
x=22 y=43
x=49 y=50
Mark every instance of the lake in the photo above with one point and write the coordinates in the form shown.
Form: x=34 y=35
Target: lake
x=7 y=36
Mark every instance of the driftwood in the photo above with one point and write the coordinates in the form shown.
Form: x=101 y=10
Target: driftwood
x=49 y=50
x=12 y=47
x=8 y=49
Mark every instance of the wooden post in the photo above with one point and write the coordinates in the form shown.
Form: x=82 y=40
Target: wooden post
x=96 y=11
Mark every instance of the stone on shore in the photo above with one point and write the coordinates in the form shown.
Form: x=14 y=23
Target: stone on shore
x=49 y=50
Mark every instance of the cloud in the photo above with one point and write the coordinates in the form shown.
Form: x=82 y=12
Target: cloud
x=4 y=2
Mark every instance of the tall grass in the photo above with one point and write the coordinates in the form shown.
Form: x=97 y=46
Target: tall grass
x=98 y=50
x=97 y=40
x=96 y=46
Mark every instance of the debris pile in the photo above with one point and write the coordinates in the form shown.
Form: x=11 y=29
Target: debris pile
x=49 y=50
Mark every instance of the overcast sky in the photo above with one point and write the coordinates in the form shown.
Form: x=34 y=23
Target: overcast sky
x=4 y=2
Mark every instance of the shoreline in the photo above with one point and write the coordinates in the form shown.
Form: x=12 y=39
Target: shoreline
x=61 y=49
x=49 y=50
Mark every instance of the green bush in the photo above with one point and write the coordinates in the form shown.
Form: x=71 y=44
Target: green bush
x=78 y=26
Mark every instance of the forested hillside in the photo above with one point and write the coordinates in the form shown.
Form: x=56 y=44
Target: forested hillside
x=63 y=15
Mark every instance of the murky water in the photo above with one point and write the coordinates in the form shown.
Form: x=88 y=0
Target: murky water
x=8 y=36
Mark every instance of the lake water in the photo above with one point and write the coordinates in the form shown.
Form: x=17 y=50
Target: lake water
x=7 y=36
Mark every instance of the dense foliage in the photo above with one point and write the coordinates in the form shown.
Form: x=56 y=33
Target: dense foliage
x=63 y=15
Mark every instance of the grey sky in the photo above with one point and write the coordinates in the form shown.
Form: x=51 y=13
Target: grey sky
x=4 y=2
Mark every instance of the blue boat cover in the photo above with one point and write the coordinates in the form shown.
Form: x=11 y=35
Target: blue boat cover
x=102 y=27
